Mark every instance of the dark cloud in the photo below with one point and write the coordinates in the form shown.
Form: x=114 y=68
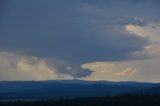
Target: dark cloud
x=2 y=6
x=75 y=31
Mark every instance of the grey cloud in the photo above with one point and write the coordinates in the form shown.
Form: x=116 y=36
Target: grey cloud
x=18 y=66
x=63 y=33
x=75 y=31
x=68 y=68
x=133 y=21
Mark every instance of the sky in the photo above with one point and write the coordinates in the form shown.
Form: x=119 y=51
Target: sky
x=80 y=39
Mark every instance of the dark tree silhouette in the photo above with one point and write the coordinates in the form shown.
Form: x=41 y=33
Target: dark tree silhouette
x=119 y=100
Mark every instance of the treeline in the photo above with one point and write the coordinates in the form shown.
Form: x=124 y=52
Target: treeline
x=119 y=100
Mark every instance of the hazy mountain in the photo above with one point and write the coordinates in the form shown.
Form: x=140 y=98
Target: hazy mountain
x=68 y=88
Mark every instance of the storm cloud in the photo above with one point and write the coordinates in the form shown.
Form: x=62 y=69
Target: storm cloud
x=76 y=32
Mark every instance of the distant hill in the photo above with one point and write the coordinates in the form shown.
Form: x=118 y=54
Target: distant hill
x=151 y=90
x=69 y=88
